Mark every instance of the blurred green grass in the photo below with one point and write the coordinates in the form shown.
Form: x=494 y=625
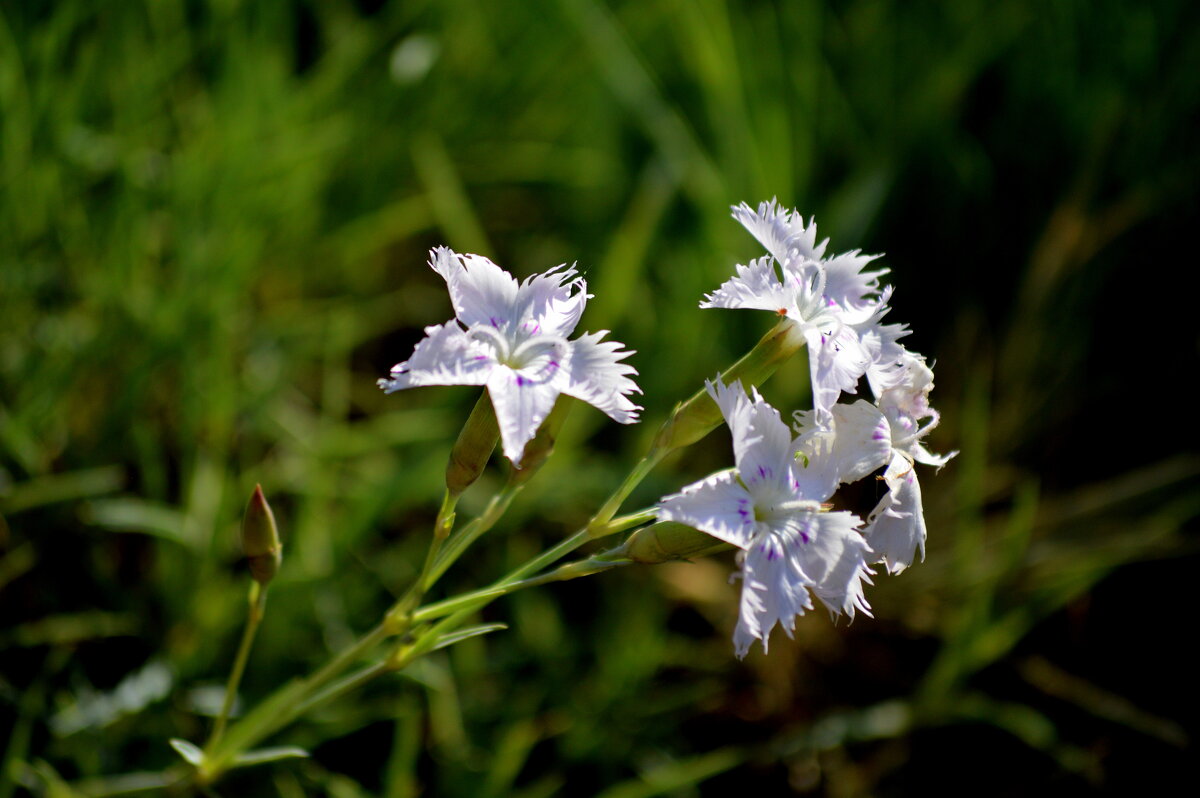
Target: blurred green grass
x=212 y=240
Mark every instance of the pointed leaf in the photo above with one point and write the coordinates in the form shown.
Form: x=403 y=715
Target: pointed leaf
x=191 y=754
x=462 y=634
x=264 y=755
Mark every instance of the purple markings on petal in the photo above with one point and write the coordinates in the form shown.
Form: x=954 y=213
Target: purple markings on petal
x=879 y=435
x=763 y=472
x=481 y=357
x=522 y=382
x=769 y=550
x=553 y=364
x=495 y=323
x=534 y=329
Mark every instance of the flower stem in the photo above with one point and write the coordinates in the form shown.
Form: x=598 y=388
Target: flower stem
x=342 y=686
x=458 y=544
x=254 y=614
x=441 y=530
x=283 y=706
x=504 y=587
x=599 y=526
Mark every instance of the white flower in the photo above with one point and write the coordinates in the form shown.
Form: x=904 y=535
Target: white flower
x=862 y=437
x=835 y=303
x=770 y=507
x=896 y=528
x=513 y=338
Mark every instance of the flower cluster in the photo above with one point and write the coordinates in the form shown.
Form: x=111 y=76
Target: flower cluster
x=771 y=505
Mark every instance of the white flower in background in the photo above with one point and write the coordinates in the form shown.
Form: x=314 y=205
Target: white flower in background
x=769 y=506
x=835 y=303
x=513 y=338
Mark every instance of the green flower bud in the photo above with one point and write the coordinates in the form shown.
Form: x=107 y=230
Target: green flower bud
x=541 y=446
x=697 y=417
x=669 y=540
x=473 y=448
x=260 y=538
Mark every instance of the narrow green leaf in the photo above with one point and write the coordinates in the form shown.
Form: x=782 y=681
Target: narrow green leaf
x=264 y=755
x=463 y=634
x=70 y=486
x=138 y=515
x=190 y=753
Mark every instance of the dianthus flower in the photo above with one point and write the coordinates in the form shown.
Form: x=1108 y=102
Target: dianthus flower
x=835 y=304
x=513 y=338
x=769 y=506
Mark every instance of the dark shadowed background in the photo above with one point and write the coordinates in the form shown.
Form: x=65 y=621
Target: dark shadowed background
x=213 y=231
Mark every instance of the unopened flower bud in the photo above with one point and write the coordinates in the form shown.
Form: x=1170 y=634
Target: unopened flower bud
x=541 y=446
x=473 y=448
x=697 y=417
x=260 y=538
x=669 y=540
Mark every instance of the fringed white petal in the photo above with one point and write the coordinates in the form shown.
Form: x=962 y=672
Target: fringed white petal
x=522 y=400
x=781 y=231
x=446 y=356
x=847 y=284
x=481 y=292
x=896 y=528
x=756 y=286
x=594 y=373
x=717 y=505
x=552 y=302
x=774 y=591
x=856 y=439
x=835 y=362
x=833 y=555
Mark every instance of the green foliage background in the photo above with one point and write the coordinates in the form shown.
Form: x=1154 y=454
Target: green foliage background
x=213 y=229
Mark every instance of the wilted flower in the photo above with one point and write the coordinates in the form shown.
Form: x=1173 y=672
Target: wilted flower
x=865 y=437
x=897 y=524
x=513 y=338
x=769 y=506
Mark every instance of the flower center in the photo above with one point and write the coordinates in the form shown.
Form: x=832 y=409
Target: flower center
x=541 y=354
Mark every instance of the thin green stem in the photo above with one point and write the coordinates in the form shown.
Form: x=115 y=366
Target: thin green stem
x=343 y=686
x=629 y=521
x=281 y=708
x=428 y=638
x=441 y=530
x=475 y=598
x=345 y=658
x=254 y=614
x=547 y=557
x=599 y=522
x=462 y=606
x=458 y=544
